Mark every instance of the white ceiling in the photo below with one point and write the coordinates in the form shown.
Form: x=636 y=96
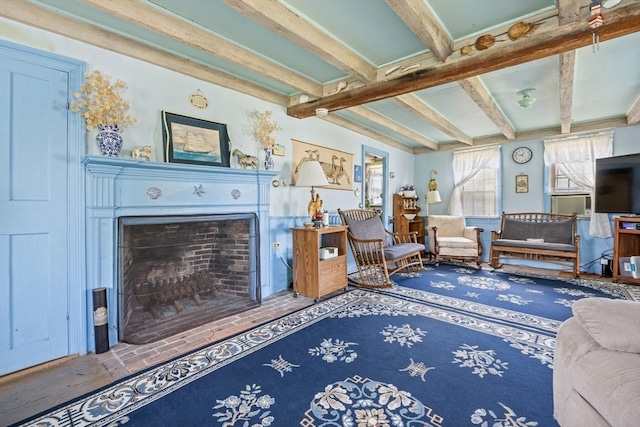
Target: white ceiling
x=280 y=49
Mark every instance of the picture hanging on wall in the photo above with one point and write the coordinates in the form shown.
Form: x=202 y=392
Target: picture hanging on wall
x=194 y=141
x=522 y=183
x=278 y=150
x=357 y=173
x=337 y=165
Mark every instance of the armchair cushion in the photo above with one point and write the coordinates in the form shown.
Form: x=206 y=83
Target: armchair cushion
x=369 y=229
x=402 y=250
x=605 y=321
x=448 y=225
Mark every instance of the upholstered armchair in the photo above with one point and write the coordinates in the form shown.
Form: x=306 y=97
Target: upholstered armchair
x=450 y=238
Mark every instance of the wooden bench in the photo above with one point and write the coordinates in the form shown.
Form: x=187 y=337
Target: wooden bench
x=537 y=236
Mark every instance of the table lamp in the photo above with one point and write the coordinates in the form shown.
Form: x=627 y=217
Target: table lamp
x=312 y=175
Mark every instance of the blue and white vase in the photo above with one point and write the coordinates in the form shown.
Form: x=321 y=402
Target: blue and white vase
x=109 y=140
x=268 y=160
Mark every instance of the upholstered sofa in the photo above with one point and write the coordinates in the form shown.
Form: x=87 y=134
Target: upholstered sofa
x=596 y=375
x=450 y=238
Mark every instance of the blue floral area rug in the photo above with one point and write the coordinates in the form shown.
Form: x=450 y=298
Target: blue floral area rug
x=362 y=358
x=551 y=297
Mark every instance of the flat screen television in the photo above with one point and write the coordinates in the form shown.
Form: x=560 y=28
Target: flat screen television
x=617 y=187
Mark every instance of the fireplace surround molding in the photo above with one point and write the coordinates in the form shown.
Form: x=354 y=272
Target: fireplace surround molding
x=118 y=187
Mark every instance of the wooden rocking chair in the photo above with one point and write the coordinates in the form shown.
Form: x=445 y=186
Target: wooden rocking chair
x=378 y=252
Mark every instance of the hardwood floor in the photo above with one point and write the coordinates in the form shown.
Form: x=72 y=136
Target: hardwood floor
x=28 y=392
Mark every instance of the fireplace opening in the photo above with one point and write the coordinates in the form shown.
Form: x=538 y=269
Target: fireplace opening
x=180 y=272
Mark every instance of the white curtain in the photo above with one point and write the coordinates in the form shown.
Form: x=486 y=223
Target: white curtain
x=466 y=164
x=576 y=158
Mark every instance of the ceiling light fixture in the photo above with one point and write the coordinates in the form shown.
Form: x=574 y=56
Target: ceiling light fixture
x=527 y=100
x=321 y=112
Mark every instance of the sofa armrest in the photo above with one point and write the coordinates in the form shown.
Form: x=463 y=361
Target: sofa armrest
x=612 y=323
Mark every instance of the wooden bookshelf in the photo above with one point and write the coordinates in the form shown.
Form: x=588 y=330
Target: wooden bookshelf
x=403 y=206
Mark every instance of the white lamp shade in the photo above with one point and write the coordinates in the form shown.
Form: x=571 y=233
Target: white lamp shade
x=311 y=175
x=433 y=196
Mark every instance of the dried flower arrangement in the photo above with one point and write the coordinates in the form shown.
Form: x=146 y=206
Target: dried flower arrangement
x=265 y=129
x=101 y=103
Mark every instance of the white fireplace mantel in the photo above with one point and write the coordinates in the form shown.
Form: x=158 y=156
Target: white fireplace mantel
x=125 y=187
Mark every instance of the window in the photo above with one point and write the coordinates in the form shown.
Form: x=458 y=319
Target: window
x=475 y=173
x=479 y=194
x=571 y=162
x=561 y=183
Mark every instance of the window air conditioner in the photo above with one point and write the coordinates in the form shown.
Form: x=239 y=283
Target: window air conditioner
x=571 y=203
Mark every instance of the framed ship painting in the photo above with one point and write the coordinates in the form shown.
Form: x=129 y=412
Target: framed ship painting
x=194 y=141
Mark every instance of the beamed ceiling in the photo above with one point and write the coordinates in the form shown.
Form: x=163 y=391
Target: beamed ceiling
x=393 y=70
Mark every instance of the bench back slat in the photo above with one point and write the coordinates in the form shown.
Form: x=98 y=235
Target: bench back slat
x=558 y=228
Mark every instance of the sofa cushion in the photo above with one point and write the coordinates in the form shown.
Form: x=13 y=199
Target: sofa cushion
x=609 y=322
x=551 y=232
x=533 y=245
x=609 y=381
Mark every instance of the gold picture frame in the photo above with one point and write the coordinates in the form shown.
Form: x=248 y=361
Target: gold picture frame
x=522 y=183
x=337 y=165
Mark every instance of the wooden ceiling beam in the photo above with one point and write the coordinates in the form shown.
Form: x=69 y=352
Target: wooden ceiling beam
x=568 y=12
x=368 y=132
x=544 y=133
x=277 y=18
x=381 y=120
x=567 y=73
x=153 y=19
x=38 y=17
x=633 y=116
x=543 y=43
x=478 y=92
x=421 y=21
x=415 y=105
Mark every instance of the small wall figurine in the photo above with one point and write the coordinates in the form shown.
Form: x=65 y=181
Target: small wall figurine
x=245 y=160
x=144 y=153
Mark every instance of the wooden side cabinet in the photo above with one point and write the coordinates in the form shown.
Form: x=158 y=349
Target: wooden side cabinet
x=626 y=243
x=312 y=276
x=405 y=216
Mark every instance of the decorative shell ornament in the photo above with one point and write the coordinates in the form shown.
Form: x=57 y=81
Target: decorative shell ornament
x=485 y=42
x=466 y=50
x=198 y=100
x=520 y=29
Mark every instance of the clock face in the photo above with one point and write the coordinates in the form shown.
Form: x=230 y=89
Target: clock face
x=522 y=155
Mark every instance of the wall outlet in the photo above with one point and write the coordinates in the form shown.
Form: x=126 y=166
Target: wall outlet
x=276 y=245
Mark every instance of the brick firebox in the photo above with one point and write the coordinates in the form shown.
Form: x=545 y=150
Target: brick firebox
x=182 y=272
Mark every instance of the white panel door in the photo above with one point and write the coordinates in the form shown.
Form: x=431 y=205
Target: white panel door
x=34 y=290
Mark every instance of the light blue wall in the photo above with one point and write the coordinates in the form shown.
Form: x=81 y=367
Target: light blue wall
x=626 y=141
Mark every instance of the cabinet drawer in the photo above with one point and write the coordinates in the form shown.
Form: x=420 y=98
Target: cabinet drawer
x=332 y=274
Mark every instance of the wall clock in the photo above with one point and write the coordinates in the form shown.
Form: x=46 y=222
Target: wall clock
x=522 y=155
